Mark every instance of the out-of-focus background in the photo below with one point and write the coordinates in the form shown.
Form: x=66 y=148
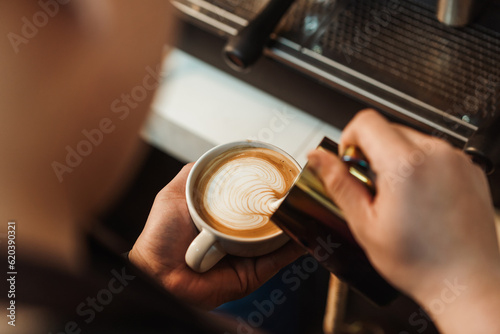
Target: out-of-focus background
x=429 y=64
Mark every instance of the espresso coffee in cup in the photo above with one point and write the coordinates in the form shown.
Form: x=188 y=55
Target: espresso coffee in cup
x=232 y=191
x=236 y=191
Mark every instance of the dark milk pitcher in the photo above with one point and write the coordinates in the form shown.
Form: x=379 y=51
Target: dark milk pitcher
x=311 y=219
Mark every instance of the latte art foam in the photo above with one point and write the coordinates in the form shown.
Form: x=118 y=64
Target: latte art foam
x=238 y=189
x=241 y=193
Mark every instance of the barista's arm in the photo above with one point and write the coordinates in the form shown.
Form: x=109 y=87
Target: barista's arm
x=430 y=228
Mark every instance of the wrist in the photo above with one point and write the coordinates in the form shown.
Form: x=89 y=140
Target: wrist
x=125 y=256
x=133 y=258
x=466 y=303
x=139 y=258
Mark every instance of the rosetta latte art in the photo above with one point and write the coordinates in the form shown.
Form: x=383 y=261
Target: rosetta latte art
x=239 y=189
x=241 y=193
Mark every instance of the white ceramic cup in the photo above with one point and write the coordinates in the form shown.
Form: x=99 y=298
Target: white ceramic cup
x=211 y=245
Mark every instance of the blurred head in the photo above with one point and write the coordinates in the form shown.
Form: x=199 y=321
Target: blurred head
x=77 y=81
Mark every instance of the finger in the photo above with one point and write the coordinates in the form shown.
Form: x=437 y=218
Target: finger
x=268 y=265
x=177 y=187
x=376 y=137
x=179 y=181
x=348 y=193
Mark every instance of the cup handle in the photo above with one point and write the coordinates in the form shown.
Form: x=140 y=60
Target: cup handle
x=204 y=252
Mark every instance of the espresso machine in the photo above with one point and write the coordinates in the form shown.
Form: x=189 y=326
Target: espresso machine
x=431 y=64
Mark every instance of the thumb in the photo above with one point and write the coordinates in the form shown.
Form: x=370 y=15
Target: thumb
x=176 y=188
x=348 y=193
